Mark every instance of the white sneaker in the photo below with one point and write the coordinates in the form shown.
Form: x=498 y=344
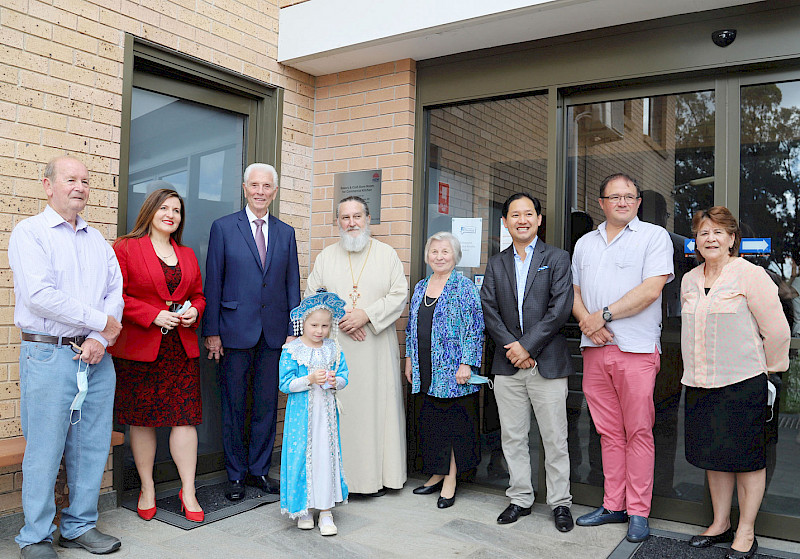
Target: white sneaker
x=326 y=525
x=306 y=522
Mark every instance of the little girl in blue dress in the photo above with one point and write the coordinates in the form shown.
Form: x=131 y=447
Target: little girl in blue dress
x=312 y=369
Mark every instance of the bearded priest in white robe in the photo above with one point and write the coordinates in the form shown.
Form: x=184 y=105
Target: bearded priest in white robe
x=369 y=276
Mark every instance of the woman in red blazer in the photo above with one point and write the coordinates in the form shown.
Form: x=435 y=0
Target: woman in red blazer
x=156 y=355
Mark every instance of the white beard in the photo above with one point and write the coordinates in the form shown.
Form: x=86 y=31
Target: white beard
x=355 y=244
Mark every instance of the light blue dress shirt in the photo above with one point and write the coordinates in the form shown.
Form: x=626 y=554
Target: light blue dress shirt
x=521 y=269
x=66 y=281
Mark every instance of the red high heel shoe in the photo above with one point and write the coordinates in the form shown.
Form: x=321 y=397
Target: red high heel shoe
x=145 y=514
x=190 y=515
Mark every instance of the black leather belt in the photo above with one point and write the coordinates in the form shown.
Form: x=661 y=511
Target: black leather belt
x=56 y=340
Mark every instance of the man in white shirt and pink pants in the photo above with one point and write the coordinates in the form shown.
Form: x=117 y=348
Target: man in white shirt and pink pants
x=619 y=271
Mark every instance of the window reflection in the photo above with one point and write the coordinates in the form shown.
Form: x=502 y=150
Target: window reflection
x=769 y=203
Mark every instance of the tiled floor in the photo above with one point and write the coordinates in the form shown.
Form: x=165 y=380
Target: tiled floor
x=400 y=524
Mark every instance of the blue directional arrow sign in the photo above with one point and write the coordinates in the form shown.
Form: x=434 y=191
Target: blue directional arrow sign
x=749 y=246
x=756 y=246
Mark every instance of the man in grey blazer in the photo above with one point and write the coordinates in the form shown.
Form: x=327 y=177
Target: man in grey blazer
x=527 y=297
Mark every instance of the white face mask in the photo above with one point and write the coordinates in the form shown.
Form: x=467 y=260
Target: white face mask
x=772 y=393
x=83 y=388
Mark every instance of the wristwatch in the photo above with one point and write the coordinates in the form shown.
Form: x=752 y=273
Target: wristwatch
x=607 y=316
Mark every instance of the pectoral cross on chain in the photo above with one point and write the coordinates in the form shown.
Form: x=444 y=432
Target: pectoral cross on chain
x=355 y=296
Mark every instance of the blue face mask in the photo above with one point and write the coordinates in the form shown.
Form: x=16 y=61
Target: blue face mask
x=478 y=379
x=83 y=388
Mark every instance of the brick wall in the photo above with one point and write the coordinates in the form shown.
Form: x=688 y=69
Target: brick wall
x=365 y=120
x=61 y=68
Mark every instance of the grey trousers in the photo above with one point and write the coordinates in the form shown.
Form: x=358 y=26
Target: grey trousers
x=515 y=395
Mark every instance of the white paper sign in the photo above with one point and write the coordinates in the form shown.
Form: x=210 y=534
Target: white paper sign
x=468 y=232
x=505 y=237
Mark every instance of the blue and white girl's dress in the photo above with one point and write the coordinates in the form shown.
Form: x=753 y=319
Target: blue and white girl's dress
x=311 y=464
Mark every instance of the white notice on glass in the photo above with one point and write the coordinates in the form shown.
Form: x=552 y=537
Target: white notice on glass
x=505 y=237
x=468 y=232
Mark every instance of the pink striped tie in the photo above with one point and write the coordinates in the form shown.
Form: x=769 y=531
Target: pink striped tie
x=260 y=243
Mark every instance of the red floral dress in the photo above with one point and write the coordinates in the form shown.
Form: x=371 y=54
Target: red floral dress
x=164 y=392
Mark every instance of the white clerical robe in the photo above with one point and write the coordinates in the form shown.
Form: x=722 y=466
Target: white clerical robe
x=372 y=416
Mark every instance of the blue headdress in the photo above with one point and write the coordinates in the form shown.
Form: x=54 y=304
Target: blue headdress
x=322 y=299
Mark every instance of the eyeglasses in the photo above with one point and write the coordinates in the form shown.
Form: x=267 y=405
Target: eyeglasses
x=616 y=198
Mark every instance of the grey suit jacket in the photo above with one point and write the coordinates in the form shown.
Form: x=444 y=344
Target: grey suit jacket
x=546 y=308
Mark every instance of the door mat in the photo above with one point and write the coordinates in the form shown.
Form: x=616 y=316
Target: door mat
x=210 y=495
x=673 y=545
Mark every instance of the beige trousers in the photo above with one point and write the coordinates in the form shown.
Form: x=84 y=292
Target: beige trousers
x=515 y=395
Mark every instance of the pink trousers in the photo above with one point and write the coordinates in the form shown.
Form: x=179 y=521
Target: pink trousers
x=619 y=390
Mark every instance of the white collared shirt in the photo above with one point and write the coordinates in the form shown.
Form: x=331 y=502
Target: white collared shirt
x=521 y=269
x=253 y=227
x=606 y=271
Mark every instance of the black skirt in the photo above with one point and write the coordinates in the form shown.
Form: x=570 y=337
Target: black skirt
x=449 y=423
x=725 y=427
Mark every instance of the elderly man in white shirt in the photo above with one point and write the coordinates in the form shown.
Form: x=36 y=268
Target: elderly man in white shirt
x=68 y=289
x=619 y=271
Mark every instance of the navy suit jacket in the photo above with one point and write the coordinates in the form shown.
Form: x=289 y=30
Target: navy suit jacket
x=546 y=307
x=244 y=299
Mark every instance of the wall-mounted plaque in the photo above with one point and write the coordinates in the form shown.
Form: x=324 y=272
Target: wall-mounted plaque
x=366 y=184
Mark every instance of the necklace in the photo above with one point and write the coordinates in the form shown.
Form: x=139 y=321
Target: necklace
x=355 y=295
x=433 y=301
x=161 y=256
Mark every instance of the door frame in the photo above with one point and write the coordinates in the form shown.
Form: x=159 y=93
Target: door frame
x=169 y=72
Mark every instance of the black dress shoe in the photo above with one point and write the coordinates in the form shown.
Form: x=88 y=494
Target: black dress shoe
x=512 y=514
x=708 y=541
x=265 y=483
x=733 y=554
x=563 y=519
x=235 y=490
x=428 y=489
x=444 y=503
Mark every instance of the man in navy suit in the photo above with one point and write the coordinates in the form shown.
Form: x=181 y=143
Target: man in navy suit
x=526 y=299
x=252 y=282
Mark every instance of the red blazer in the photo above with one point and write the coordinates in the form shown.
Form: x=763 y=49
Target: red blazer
x=145 y=292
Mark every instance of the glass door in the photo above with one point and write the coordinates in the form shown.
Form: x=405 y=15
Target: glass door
x=666 y=141
x=769 y=208
x=196 y=139
x=734 y=141
x=478 y=154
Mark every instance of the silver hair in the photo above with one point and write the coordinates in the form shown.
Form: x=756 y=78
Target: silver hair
x=260 y=167
x=455 y=244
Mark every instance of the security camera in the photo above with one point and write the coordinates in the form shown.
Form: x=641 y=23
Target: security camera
x=723 y=37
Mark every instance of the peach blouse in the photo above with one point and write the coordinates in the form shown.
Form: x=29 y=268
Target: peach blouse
x=734 y=333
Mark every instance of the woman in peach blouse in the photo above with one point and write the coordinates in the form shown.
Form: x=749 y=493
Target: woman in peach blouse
x=733 y=334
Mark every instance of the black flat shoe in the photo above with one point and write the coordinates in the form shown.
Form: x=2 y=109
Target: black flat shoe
x=235 y=490
x=708 y=541
x=443 y=503
x=733 y=554
x=428 y=489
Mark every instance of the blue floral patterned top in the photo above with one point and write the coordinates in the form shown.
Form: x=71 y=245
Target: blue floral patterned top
x=456 y=336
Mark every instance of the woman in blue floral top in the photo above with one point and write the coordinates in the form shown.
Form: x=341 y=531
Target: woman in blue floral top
x=444 y=343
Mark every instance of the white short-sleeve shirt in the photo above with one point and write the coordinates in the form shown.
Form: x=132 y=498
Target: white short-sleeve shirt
x=606 y=271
